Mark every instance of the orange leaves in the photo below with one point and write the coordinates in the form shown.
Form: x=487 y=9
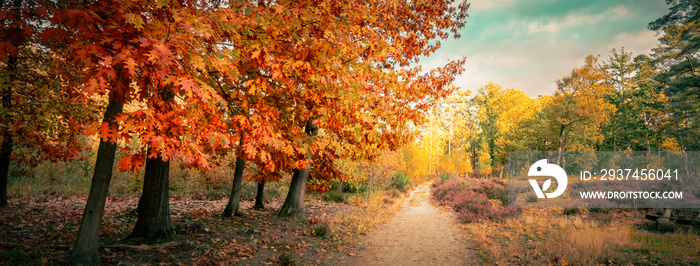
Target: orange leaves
x=159 y=53
x=255 y=54
x=206 y=75
x=153 y=68
x=107 y=132
x=131 y=162
x=134 y=19
x=130 y=66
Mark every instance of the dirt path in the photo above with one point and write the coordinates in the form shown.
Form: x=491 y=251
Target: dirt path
x=419 y=234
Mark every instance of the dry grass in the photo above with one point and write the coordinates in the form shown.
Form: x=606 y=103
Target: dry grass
x=586 y=246
x=545 y=236
x=370 y=212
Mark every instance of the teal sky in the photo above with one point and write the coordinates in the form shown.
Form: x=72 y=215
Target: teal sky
x=529 y=44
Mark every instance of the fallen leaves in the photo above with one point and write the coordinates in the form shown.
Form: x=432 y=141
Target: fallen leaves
x=45 y=227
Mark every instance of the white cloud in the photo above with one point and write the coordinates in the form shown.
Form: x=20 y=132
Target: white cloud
x=554 y=25
x=514 y=52
x=483 y=5
x=636 y=42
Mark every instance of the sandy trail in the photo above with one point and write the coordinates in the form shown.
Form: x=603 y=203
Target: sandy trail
x=419 y=234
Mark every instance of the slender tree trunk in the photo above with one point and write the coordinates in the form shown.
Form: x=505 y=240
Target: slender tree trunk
x=153 y=221
x=260 y=196
x=561 y=146
x=85 y=250
x=492 y=153
x=474 y=158
x=370 y=180
x=294 y=203
x=235 y=198
x=684 y=154
x=339 y=187
x=6 y=151
x=5 y=154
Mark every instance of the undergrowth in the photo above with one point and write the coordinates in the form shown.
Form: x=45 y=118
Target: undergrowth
x=473 y=200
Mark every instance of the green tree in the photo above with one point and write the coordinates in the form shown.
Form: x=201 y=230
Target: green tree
x=499 y=113
x=579 y=108
x=638 y=104
x=676 y=56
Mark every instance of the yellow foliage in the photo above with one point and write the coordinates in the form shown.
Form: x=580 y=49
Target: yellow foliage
x=670 y=144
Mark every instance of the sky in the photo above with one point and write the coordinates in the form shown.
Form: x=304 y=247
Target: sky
x=529 y=44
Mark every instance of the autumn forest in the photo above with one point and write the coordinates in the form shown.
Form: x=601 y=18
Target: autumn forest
x=289 y=132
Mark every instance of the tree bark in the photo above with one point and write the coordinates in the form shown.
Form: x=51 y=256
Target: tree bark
x=153 y=222
x=85 y=250
x=684 y=154
x=5 y=154
x=260 y=196
x=294 y=203
x=6 y=151
x=339 y=187
x=474 y=159
x=561 y=145
x=235 y=197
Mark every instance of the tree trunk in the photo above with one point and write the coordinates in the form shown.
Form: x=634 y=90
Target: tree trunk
x=260 y=196
x=474 y=158
x=5 y=154
x=6 y=151
x=294 y=203
x=85 y=250
x=339 y=187
x=235 y=198
x=561 y=146
x=370 y=182
x=684 y=154
x=153 y=221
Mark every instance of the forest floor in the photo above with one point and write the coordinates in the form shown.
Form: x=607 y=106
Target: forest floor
x=419 y=234
x=40 y=230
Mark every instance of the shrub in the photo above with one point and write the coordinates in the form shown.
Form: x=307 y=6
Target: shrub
x=445 y=192
x=354 y=187
x=533 y=199
x=600 y=210
x=604 y=218
x=660 y=227
x=492 y=190
x=320 y=231
x=400 y=181
x=333 y=197
x=471 y=206
x=393 y=193
x=286 y=259
x=444 y=176
x=571 y=211
x=472 y=203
